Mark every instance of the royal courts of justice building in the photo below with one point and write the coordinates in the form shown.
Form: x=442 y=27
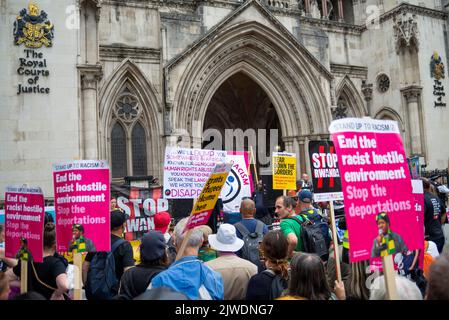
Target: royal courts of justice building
x=120 y=80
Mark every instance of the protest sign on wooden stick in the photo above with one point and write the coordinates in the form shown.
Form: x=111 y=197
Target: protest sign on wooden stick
x=205 y=203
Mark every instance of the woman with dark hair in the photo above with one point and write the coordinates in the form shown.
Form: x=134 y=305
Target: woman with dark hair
x=270 y=283
x=308 y=280
x=154 y=259
x=48 y=278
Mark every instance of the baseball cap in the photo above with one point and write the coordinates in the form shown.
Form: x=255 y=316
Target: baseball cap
x=305 y=196
x=162 y=221
x=152 y=246
x=118 y=218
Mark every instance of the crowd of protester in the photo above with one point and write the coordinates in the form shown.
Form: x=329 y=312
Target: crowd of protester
x=244 y=261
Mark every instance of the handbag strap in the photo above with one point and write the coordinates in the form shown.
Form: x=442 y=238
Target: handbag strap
x=66 y=296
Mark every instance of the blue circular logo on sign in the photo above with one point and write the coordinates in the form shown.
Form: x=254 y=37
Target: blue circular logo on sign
x=232 y=187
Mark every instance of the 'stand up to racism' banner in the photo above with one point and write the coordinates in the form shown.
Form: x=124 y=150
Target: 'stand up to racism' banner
x=186 y=171
x=209 y=195
x=377 y=188
x=24 y=209
x=284 y=171
x=239 y=182
x=325 y=173
x=82 y=198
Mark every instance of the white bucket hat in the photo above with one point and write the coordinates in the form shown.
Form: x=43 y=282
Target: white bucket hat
x=226 y=239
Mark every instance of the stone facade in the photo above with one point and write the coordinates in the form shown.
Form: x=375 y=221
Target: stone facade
x=117 y=66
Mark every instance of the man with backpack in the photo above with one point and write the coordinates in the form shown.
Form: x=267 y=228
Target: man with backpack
x=251 y=231
x=285 y=210
x=102 y=271
x=306 y=209
x=302 y=234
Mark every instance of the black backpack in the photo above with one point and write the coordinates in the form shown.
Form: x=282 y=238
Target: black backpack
x=312 y=238
x=102 y=280
x=250 y=249
x=278 y=284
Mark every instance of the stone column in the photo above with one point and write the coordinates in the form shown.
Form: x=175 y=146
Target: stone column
x=90 y=75
x=367 y=90
x=288 y=143
x=341 y=16
x=302 y=157
x=412 y=95
x=324 y=9
x=307 y=7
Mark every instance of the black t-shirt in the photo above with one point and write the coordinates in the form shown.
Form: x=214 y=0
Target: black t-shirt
x=259 y=287
x=136 y=280
x=123 y=256
x=432 y=217
x=47 y=271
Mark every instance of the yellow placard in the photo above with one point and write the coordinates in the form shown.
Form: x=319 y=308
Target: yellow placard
x=136 y=250
x=284 y=171
x=210 y=192
x=209 y=196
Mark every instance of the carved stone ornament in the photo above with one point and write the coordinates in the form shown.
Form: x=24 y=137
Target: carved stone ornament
x=127 y=107
x=340 y=111
x=437 y=67
x=406 y=32
x=367 y=90
x=383 y=83
x=33 y=28
x=412 y=93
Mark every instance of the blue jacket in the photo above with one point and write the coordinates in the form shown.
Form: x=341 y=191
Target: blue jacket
x=192 y=278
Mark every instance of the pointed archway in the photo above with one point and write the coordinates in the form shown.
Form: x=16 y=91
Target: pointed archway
x=349 y=98
x=295 y=82
x=130 y=108
x=239 y=115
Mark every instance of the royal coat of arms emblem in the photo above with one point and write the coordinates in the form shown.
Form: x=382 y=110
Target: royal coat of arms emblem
x=33 y=28
x=436 y=67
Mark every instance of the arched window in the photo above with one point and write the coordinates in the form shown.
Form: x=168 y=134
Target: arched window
x=139 y=150
x=118 y=151
x=128 y=137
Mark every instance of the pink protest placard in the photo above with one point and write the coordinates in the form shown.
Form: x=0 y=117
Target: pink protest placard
x=24 y=221
x=403 y=260
x=82 y=197
x=376 y=184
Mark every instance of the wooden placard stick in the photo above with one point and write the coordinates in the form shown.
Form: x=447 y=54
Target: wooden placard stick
x=335 y=241
x=24 y=275
x=183 y=244
x=78 y=264
x=185 y=239
x=389 y=275
x=253 y=162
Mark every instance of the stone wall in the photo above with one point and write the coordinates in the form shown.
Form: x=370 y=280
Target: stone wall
x=38 y=129
x=436 y=119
